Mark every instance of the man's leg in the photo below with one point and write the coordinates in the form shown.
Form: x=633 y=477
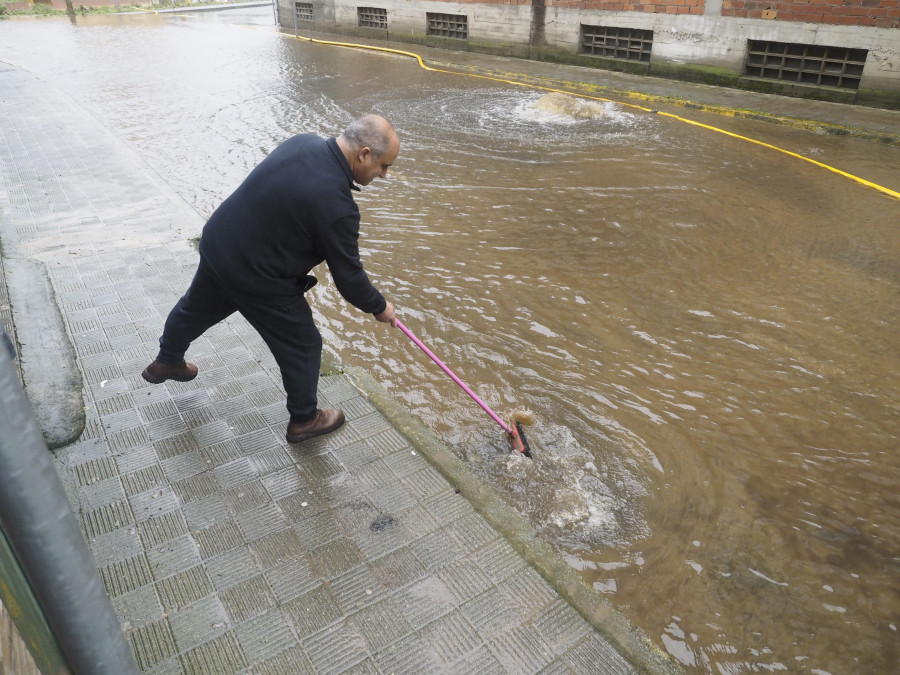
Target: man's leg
x=291 y=334
x=201 y=307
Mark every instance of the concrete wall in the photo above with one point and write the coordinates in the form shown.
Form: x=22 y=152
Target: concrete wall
x=698 y=40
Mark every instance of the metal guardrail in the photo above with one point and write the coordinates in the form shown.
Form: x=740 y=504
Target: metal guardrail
x=48 y=579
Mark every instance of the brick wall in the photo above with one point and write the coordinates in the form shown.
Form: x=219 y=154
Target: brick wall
x=878 y=13
x=653 y=6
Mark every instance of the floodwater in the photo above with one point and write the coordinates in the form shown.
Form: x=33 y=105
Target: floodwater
x=705 y=329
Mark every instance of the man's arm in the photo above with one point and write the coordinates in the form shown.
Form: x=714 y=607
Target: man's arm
x=339 y=243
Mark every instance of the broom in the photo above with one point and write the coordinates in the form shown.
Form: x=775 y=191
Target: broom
x=513 y=429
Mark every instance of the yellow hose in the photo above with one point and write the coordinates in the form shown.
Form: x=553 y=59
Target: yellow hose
x=861 y=181
x=422 y=64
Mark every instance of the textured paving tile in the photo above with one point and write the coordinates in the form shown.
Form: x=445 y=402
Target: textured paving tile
x=223 y=549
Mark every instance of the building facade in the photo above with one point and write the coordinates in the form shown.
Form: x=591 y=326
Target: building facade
x=841 y=50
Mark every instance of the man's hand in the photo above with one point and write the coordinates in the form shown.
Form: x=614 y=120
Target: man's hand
x=387 y=316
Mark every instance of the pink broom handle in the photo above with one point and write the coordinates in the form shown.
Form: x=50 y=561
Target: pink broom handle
x=471 y=393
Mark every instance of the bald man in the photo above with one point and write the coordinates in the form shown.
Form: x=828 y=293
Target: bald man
x=293 y=211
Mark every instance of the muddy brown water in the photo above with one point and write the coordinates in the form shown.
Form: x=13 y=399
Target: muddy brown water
x=705 y=329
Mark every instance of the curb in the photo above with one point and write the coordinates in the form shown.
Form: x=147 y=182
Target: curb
x=46 y=357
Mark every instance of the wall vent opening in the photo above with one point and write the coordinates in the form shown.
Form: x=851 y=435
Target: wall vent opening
x=303 y=11
x=805 y=64
x=631 y=44
x=372 y=17
x=448 y=25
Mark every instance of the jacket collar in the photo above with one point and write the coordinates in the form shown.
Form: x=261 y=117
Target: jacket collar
x=342 y=161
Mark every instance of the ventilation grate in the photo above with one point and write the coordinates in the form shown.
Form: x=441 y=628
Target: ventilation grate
x=303 y=11
x=632 y=44
x=372 y=17
x=448 y=25
x=805 y=64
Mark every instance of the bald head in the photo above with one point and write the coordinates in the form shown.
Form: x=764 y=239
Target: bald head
x=370 y=131
x=370 y=145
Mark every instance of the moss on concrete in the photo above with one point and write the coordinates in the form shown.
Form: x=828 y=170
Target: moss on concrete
x=454 y=44
x=833 y=94
x=515 y=50
x=879 y=99
x=564 y=56
x=695 y=73
x=331 y=364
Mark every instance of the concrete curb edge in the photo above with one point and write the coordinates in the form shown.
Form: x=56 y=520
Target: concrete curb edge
x=52 y=378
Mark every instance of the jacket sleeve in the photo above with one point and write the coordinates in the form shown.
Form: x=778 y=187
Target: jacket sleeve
x=340 y=248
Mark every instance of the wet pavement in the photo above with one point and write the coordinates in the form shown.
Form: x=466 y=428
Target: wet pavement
x=222 y=548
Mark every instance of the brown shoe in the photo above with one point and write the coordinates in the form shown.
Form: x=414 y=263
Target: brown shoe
x=324 y=422
x=157 y=372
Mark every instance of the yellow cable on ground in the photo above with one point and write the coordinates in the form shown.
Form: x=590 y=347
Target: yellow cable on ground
x=862 y=181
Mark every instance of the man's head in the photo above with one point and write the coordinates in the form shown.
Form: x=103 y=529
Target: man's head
x=371 y=146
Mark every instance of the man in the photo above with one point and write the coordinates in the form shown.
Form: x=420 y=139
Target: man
x=292 y=212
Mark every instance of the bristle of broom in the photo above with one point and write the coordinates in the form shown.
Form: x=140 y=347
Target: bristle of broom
x=525 y=417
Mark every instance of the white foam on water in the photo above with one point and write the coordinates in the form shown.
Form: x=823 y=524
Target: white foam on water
x=506 y=114
x=584 y=505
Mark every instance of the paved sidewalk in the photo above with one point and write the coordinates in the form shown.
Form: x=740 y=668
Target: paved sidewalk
x=223 y=549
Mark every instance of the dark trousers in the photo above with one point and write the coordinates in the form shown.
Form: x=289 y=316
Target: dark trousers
x=287 y=328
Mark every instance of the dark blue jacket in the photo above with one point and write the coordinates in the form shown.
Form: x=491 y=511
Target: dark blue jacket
x=292 y=212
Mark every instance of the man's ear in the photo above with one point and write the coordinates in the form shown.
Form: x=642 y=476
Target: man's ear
x=364 y=153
